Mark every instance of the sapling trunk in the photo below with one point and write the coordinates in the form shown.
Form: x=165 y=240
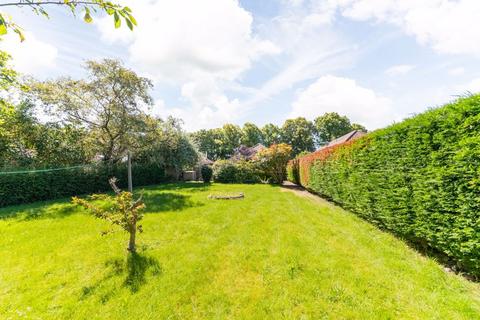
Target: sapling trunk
x=124 y=211
x=131 y=243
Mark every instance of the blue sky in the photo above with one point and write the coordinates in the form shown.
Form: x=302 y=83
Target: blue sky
x=218 y=61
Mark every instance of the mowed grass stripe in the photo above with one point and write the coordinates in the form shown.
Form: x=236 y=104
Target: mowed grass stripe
x=272 y=255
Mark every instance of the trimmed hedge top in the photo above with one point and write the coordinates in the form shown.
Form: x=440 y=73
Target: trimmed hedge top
x=419 y=178
x=18 y=188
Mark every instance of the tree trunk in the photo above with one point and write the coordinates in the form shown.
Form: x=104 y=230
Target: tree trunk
x=131 y=243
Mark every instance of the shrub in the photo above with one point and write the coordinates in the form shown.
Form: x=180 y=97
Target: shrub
x=224 y=171
x=417 y=178
x=273 y=161
x=207 y=173
x=122 y=211
x=247 y=172
x=17 y=188
x=293 y=174
x=227 y=171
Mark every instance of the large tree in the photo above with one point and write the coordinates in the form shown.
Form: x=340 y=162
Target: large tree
x=251 y=135
x=167 y=144
x=271 y=134
x=85 y=7
x=230 y=140
x=17 y=127
x=108 y=104
x=298 y=133
x=24 y=140
x=332 y=125
x=209 y=142
x=27 y=142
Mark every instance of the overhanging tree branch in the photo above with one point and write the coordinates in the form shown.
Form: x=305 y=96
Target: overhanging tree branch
x=117 y=11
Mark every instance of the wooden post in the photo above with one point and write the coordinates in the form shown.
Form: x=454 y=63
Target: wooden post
x=129 y=159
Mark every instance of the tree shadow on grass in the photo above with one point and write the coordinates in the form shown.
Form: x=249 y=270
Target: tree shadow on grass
x=40 y=210
x=136 y=268
x=190 y=187
x=168 y=201
x=135 y=271
x=158 y=198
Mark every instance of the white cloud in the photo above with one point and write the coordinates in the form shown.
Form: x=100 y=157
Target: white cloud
x=399 y=70
x=203 y=47
x=346 y=97
x=449 y=26
x=185 y=39
x=456 y=71
x=31 y=56
x=309 y=44
x=204 y=106
x=473 y=87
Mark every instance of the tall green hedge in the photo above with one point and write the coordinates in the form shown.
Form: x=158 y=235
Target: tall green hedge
x=419 y=178
x=17 y=188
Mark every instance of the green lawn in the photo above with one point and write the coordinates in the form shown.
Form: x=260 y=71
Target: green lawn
x=273 y=255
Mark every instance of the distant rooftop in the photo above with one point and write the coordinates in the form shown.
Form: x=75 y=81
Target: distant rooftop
x=353 y=135
x=247 y=153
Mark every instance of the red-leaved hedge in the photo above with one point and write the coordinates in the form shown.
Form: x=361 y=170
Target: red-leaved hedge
x=298 y=169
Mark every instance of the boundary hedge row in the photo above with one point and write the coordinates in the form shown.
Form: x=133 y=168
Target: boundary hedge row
x=419 y=178
x=18 y=188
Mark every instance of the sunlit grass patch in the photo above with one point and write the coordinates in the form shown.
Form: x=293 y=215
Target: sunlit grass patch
x=270 y=255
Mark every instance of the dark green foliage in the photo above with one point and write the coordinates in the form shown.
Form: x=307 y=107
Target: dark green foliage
x=293 y=173
x=331 y=125
x=218 y=143
x=419 y=179
x=251 y=135
x=273 y=162
x=271 y=134
x=209 y=142
x=224 y=171
x=298 y=133
x=227 y=171
x=207 y=173
x=17 y=188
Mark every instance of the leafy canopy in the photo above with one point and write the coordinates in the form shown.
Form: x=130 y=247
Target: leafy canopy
x=85 y=7
x=108 y=103
x=271 y=134
x=331 y=125
x=167 y=144
x=251 y=135
x=298 y=133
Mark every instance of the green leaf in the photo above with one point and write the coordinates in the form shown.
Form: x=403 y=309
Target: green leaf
x=129 y=24
x=20 y=34
x=3 y=29
x=132 y=19
x=3 y=26
x=116 y=18
x=87 y=18
x=72 y=7
x=44 y=13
